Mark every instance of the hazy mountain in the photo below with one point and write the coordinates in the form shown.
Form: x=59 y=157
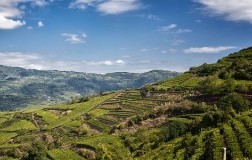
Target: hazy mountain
x=20 y=87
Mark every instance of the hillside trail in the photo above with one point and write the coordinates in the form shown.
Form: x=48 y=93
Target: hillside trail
x=35 y=121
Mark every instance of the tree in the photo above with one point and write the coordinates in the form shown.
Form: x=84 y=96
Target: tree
x=145 y=91
x=235 y=101
x=210 y=85
x=228 y=86
x=37 y=152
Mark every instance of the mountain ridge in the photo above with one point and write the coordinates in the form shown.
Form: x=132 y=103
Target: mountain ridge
x=39 y=87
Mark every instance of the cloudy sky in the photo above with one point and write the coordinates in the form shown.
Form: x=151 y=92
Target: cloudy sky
x=121 y=35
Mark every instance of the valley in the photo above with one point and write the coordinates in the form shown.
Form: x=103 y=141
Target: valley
x=21 y=87
x=192 y=116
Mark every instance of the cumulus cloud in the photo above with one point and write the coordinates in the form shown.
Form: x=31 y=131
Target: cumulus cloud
x=75 y=38
x=40 y=24
x=118 y=6
x=11 y=15
x=6 y=23
x=173 y=28
x=234 y=10
x=107 y=6
x=208 y=49
x=119 y=61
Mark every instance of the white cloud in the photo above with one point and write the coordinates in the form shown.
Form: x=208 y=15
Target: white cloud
x=118 y=6
x=144 y=50
x=169 y=51
x=75 y=38
x=106 y=63
x=208 y=49
x=152 y=17
x=175 y=42
x=40 y=24
x=11 y=14
x=173 y=28
x=149 y=17
x=234 y=10
x=126 y=64
x=120 y=61
x=41 y=2
x=17 y=59
x=167 y=28
x=107 y=6
x=6 y=23
x=198 y=20
x=30 y=28
x=182 y=31
x=82 y=4
x=35 y=61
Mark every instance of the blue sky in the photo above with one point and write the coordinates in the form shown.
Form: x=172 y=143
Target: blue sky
x=104 y=36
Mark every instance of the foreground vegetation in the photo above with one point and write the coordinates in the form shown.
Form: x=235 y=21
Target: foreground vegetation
x=192 y=116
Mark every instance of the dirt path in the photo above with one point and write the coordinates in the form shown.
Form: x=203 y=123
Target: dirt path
x=35 y=121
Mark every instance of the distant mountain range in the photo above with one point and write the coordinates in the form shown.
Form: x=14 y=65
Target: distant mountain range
x=21 y=87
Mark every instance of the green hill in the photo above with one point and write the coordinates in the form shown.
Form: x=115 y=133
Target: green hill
x=192 y=116
x=236 y=66
x=21 y=87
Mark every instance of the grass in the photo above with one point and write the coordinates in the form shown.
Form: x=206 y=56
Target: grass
x=98 y=112
x=5 y=136
x=165 y=150
x=184 y=120
x=63 y=154
x=5 y=146
x=177 y=81
x=2 y=120
x=20 y=125
x=96 y=124
x=80 y=109
x=97 y=140
x=48 y=117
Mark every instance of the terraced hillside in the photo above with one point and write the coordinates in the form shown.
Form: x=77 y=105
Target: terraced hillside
x=192 y=116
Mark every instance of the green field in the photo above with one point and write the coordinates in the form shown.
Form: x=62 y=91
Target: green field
x=21 y=125
x=5 y=136
x=63 y=154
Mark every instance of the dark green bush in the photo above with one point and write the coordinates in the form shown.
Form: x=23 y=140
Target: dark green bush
x=235 y=101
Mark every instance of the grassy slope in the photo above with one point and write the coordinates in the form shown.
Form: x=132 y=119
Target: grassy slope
x=124 y=125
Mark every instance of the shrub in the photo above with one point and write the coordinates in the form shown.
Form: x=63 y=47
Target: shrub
x=37 y=152
x=173 y=129
x=210 y=86
x=235 y=101
x=228 y=86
